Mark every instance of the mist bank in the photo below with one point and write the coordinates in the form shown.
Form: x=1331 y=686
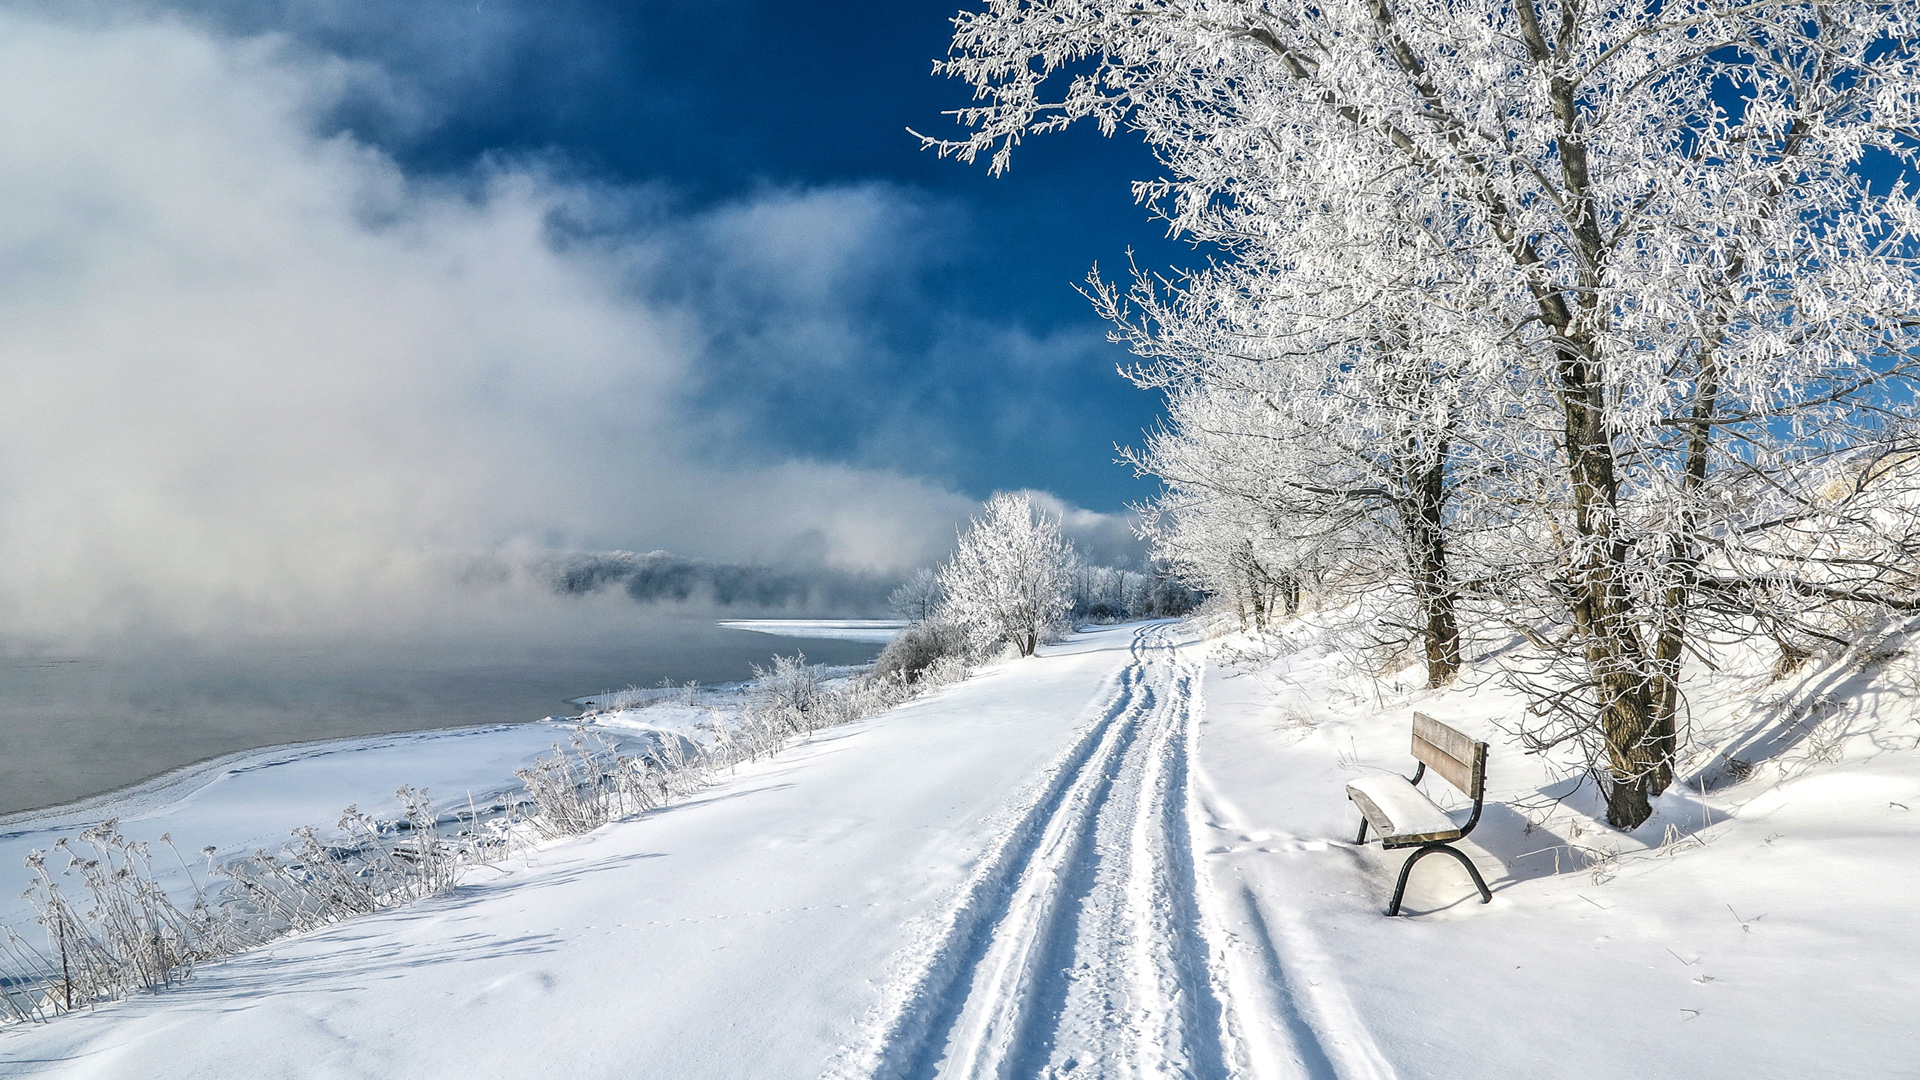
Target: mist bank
x=256 y=377
x=432 y=640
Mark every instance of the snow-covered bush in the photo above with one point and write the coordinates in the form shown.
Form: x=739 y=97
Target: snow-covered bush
x=116 y=932
x=919 y=646
x=112 y=928
x=364 y=865
x=583 y=786
x=789 y=697
x=787 y=691
x=1010 y=578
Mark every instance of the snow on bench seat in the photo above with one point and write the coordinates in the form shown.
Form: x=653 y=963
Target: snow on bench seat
x=1399 y=812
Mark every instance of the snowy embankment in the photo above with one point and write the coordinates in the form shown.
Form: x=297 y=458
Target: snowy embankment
x=251 y=800
x=1126 y=857
x=1759 y=929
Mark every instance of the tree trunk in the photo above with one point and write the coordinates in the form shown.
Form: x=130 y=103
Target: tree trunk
x=1603 y=606
x=1432 y=584
x=1683 y=565
x=1255 y=585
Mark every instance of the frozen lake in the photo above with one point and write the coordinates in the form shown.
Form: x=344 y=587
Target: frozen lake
x=77 y=722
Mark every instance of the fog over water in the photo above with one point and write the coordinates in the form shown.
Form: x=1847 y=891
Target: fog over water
x=75 y=723
x=299 y=441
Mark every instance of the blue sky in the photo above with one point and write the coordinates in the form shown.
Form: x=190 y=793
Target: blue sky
x=965 y=355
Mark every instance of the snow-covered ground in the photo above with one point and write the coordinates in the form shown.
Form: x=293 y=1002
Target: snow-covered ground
x=250 y=800
x=1127 y=858
x=1763 y=930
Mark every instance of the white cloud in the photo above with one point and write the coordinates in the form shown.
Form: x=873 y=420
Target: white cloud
x=1101 y=538
x=250 y=372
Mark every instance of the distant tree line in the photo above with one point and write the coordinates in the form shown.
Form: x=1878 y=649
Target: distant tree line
x=1013 y=579
x=1113 y=594
x=663 y=577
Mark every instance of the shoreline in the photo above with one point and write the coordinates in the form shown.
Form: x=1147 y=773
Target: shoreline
x=78 y=746
x=179 y=782
x=182 y=781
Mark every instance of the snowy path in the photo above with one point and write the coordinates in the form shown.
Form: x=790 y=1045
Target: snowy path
x=995 y=880
x=1078 y=948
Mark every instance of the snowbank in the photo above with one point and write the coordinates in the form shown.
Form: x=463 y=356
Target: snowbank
x=1758 y=928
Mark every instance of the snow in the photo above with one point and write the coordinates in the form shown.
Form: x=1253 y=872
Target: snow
x=254 y=799
x=736 y=934
x=879 y=631
x=1760 y=931
x=1412 y=814
x=1124 y=857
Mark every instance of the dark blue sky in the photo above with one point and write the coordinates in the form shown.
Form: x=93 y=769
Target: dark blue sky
x=968 y=358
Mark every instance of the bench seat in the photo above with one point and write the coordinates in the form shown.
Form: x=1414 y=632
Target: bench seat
x=1394 y=807
x=1399 y=813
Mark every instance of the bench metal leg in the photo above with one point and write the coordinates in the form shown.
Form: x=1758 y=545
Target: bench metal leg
x=1400 y=889
x=1362 y=838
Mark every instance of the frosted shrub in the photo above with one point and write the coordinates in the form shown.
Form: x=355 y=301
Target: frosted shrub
x=367 y=865
x=111 y=927
x=790 y=698
x=943 y=672
x=919 y=646
x=116 y=931
x=787 y=691
x=582 y=787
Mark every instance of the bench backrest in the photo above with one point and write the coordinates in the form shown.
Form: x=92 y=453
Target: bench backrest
x=1461 y=760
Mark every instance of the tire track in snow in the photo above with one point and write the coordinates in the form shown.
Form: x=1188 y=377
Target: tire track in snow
x=931 y=1002
x=1078 y=949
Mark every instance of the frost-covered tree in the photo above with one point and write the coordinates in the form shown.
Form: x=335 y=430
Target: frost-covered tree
x=1307 y=441
x=1663 y=211
x=1011 y=575
x=918 y=598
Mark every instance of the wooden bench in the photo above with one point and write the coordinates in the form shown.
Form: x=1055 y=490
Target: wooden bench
x=1404 y=817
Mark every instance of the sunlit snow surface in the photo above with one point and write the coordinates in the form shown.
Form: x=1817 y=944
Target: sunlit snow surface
x=1127 y=858
x=873 y=630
